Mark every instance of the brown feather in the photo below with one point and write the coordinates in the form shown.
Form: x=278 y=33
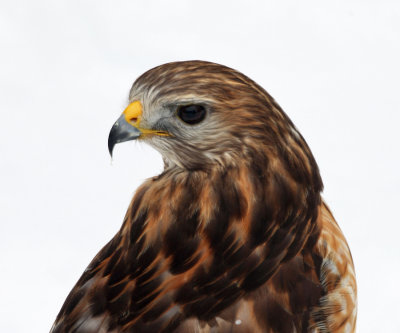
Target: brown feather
x=232 y=237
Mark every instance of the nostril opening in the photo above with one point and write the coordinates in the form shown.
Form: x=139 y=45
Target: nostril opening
x=133 y=120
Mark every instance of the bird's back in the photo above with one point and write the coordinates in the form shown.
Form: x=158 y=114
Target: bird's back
x=313 y=292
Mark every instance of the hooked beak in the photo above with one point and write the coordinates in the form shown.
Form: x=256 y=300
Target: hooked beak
x=120 y=132
x=127 y=127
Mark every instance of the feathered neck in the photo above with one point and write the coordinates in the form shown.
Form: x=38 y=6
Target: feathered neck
x=265 y=202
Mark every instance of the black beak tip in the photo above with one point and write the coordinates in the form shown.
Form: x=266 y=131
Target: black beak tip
x=110 y=150
x=111 y=142
x=113 y=137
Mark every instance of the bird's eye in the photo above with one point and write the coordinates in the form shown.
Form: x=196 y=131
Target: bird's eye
x=191 y=114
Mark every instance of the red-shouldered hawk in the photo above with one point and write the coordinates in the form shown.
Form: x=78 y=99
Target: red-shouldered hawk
x=233 y=235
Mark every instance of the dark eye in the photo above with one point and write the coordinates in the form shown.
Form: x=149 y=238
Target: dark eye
x=192 y=114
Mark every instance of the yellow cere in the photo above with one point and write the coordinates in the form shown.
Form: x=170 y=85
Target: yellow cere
x=133 y=114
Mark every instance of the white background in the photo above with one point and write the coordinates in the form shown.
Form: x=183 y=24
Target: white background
x=65 y=71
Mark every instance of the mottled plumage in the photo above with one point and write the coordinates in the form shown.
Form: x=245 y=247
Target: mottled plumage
x=233 y=236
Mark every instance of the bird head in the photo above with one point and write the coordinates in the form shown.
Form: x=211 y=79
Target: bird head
x=199 y=115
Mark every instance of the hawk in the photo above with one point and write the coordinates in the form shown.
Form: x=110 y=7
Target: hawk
x=233 y=235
